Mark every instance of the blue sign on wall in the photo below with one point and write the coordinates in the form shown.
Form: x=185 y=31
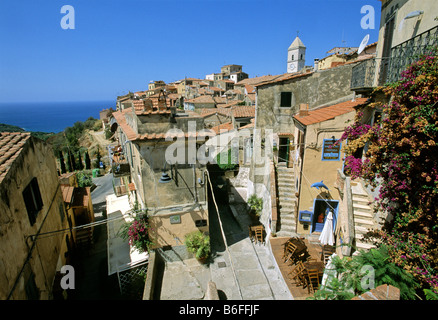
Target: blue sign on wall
x=330 y=151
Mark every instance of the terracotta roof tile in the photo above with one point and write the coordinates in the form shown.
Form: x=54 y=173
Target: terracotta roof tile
x=11 y=144
x=249 y=125
x=329 y=112
x=216 y=89
x=75 y=196
x=67 y=193
x=220 y=100
x=202 y=99
x=249 y=88
x=236 y=111
x=284 y=77
x=243 y=111
x=223 y=127
x=206 y=112
x=121 y=121
x=257 y=80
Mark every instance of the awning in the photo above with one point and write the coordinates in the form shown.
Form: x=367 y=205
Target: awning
x=121 y=256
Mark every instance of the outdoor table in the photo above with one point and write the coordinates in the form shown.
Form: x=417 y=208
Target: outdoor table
x=318 y=265
x=301 y=248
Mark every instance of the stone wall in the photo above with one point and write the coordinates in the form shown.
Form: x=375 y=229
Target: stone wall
x=182 y=188
x=170 y=225
x=21 y=256
x=317 y=89
x=321 y=88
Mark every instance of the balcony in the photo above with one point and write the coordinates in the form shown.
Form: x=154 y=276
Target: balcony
x=119 y=164
x=380 y=71
x=363 y=74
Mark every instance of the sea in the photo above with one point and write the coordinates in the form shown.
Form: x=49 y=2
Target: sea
x=50 y=116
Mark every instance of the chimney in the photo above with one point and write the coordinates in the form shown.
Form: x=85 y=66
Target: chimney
x=304 y=109
x=315 y=64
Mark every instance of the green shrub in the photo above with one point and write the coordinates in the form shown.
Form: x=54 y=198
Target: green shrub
x=256 y=204
x=84 y=179
x=353 y=273
x=198 y=243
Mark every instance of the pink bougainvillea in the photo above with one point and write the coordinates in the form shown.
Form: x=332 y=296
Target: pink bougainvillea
x=137 y=233
x=401 y=162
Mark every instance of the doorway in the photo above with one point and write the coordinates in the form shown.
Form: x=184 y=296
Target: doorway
x=283 y=150
x=321 y=209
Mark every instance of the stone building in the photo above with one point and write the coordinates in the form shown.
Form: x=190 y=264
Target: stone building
x=275 y=139
x=153 y=87
x=78 y=205
x=31 y=209
x=166 y=179
x=408 y=28
x=204 y=101
x=318 y=159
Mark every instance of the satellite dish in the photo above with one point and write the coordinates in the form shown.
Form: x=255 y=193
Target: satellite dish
x=363 y=44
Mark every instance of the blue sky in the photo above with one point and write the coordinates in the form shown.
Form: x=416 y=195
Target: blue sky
x=118 y=45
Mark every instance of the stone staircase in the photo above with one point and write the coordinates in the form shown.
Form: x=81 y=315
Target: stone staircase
x=286 y=195
x=362 y=214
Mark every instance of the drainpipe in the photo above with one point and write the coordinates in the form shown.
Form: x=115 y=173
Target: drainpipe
x=194 y=184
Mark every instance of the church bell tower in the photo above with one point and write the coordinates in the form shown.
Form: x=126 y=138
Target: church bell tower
x=296 y=56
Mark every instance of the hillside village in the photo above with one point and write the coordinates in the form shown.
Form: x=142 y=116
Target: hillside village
x=283 y=189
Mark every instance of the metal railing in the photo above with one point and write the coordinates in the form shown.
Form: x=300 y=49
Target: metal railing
x=363 y=74
x=132 y=281
x=380 y=71
x=410 y=51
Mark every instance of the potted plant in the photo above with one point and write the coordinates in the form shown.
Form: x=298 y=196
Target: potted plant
x=256 y=206
x=199 y=244
x=137 y=232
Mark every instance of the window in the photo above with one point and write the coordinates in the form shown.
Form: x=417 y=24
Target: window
x=292 y=57
x=286 y=100
x=61 y=211
x=32 y=200
x=330 y=152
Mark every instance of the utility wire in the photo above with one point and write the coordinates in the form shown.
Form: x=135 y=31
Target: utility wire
x=84 y=226
x=302 y=173
x=223 y=234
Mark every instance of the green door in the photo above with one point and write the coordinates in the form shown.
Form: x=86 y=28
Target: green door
x=283 y=150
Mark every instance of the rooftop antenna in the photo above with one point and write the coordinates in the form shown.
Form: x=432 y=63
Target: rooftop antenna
x=363 y=44
x=343 y=41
